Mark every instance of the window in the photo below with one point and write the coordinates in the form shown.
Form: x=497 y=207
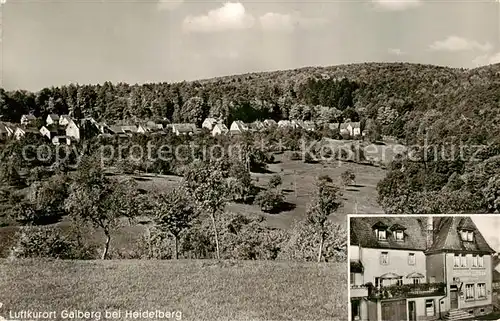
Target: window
x=429 y=308
x=411 y=259
x=399 y=236
x=378 y=282
x=481 y=290
x=467 y=236
x=469 y=291
x=463 y=261
x=381 y=235
x=480 y=261
x=416 y=281
x=456 y=261
x=384 y=258
x=399 y=281
x=352 y=278
x=474 y=261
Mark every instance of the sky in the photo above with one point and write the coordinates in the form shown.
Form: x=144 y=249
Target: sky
x=489 y=226
x=56 y=42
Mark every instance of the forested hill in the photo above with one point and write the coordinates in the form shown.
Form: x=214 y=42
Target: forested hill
x=398 y=99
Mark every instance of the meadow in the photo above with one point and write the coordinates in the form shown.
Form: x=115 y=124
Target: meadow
x=200 y=289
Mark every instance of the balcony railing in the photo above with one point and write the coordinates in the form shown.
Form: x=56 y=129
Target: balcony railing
x=407 y=290
x=358 y=291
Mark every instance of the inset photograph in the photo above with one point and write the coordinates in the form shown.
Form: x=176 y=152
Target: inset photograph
x=424 y=267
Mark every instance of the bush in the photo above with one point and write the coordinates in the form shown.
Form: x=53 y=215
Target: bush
x=295 y=156
x=34 y=242
x=270 y=201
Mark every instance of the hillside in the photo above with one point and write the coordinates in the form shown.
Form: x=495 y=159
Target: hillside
x=425 y=107
x=201 y=290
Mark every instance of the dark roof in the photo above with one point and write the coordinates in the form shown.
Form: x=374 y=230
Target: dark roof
x=466 y=225
x=362 y=234
x=397 y=227
x=380 y=225
x=496 y=276
x=356 y=267
x=447 y=236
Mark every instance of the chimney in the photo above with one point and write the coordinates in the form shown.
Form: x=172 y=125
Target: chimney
x=430 y=232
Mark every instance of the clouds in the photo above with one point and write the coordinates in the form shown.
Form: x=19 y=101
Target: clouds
x=233 y=16
x=487 y=59
x=455 y=44
x=272 y=21
x=395 y=51
x=396 y=5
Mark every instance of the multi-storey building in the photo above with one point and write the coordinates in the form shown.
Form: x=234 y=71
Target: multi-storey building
x=460 y=257
x=403 y=268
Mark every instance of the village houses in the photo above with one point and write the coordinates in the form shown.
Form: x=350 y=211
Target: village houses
x=184 y=129
x=219 y=129
x=418 y=268
x=238 y=126
x=27 y=120
x=209 y=123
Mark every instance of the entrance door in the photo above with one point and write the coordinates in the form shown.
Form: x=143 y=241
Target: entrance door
x=394 y=310
x=412 y=312
x=453 y=297
x=355 y=310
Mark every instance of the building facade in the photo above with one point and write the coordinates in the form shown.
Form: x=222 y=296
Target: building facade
x=407 y=268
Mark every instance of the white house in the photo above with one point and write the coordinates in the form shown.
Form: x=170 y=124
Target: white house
x=20 y=132
x=284 y=123
x=58 y=140
x=297 y=124
x=209 y=123
x=257 y=125
x=64 y=120
x=6 y=130
x=72 y=130
x=269 y=123
x=238 y=126
x=28 y=119
x=49 y=131
x=219 y=129
x=344 y=129
x=183 y=129
x=52 y=119
x=354 y=128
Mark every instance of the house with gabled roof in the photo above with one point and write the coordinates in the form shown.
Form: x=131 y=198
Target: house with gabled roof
x=209 y=123
x=238 y=126
x=64 y=120
x=256 y=125
x=418 y=268
x=461 y=257
x=184 y=129
x=73 y=130
x=219 y=129
x=27 y=120
x=268 y=123
x=20 y=132
x=52 y=119
x=6 y=130
x=51 y=131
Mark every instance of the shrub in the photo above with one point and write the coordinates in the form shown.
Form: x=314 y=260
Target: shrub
x=35 y=242
x=270 y=201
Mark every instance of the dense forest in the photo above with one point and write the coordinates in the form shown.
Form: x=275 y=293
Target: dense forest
x=429 y=107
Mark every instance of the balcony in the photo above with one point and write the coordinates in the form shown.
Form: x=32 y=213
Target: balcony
x=358 y=291
x=407 y=291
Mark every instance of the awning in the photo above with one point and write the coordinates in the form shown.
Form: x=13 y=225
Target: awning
x=390 y=275
x=356 y=267
x=415 y=275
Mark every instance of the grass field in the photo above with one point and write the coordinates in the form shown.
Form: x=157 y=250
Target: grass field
x=201 y=290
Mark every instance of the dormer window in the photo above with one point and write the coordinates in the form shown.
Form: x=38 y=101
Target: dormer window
x=399 y=232
x=380 y=231
x=467 y=236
